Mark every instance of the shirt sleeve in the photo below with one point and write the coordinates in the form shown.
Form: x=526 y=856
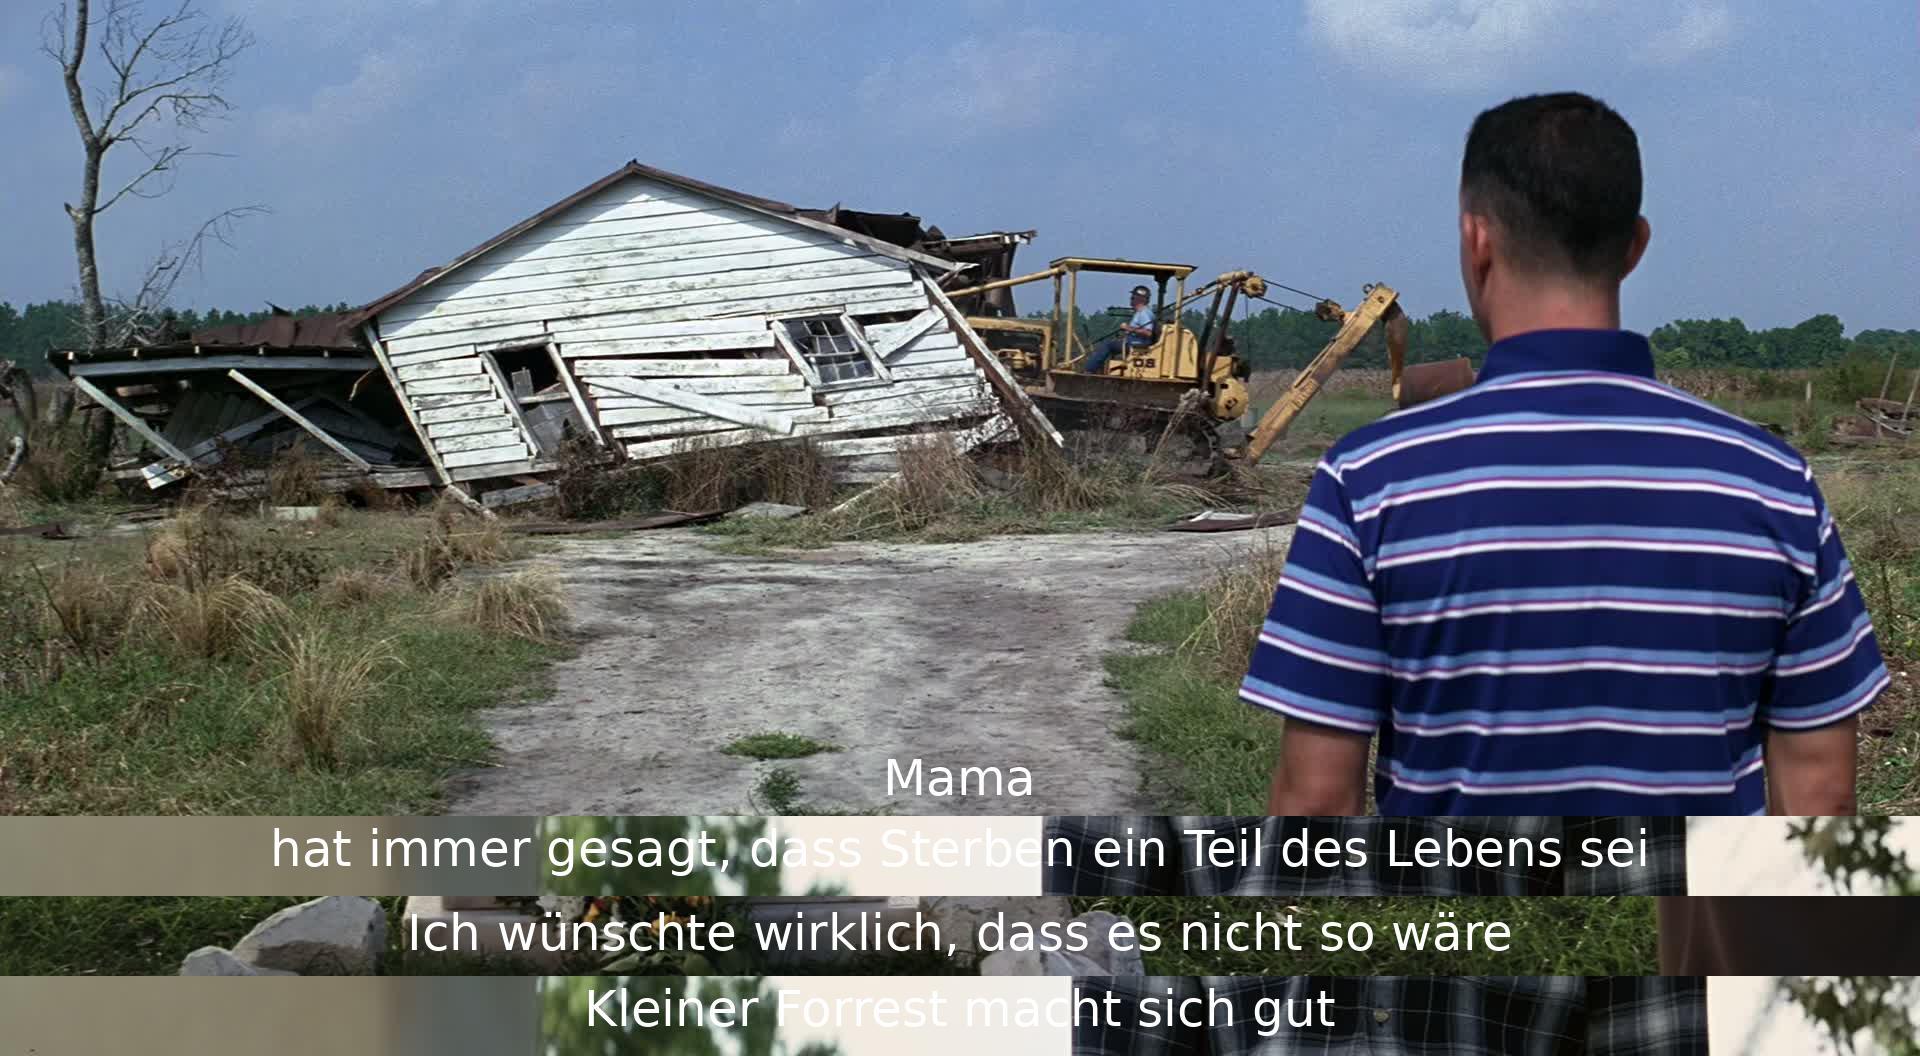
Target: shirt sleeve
x=1321 y=656
x=1829 y=666
x=1646 y=1016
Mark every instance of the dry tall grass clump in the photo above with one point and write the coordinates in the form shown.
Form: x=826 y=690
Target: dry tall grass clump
x=210 y=619
x=195 y=545
x=704 y=475
x=325 y=678
x=1049 y=481
x=935 y=479
x=84 y=606
x=348 y=587
x=455 y=538
x=1238 y=598
x=294 y=476
x=526 y=605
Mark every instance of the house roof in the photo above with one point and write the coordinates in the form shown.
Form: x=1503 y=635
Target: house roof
x=803 y=217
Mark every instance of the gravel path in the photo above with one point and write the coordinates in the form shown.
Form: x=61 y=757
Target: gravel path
x=968 y=654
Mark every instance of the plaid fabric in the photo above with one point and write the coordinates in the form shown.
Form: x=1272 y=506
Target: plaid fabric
x=1181 y=870
x=1389 y=1016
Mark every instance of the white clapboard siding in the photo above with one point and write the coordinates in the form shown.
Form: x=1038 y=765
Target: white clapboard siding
x=676 y=445
x=752 y=399
x=486 y=470
x=681 y=428
x=845 y=273
x=486 y=337
x=944 y=403
x=712 y=406
x=634 y=223
x=431 y=402
x=959 y=368
x=737 y=341
x=480 y=441
x=863 y=417
x=653 y=412
x=678 y=368
x=878 y=445
x=715 y=225
x=475 y=382
x=464 y=412
x=617 y=260
x=503 y=453
x=614 y=328
x=492 y=423
x=893 y=283
x=888 y=338
x=447 y=368
x=431 y=355
x=933 y=346
x=837 y=397
x=786 y=383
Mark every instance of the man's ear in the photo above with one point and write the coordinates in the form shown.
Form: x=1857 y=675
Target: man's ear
x=1476 y=248
x=1642 y=234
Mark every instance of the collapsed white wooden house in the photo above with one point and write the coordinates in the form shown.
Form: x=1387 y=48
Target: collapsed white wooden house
x=236 y=396
x=649 y=312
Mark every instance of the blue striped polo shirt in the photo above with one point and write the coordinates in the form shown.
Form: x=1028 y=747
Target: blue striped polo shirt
x=1568 y=589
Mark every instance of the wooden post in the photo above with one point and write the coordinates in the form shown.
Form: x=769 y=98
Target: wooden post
x=406 y=406
x=1012 y=397
x=1906 y=413
x=134 y=422
x=588 y=420
x=301 y=420
x=1888 y=382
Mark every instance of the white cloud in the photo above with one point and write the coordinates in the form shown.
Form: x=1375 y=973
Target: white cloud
x=1451 y=44
x=1464 y=45
x=1013 y=82
x=385 y=81
x=1700 y=28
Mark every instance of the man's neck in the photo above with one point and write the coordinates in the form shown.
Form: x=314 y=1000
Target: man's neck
x=1554 y=306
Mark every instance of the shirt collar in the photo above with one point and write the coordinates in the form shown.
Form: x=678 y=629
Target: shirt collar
x=1611 y=351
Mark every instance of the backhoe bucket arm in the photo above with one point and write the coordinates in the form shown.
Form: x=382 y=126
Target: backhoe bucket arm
x=1381 y=303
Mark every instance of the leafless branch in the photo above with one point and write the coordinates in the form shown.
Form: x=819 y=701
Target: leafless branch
x=132 y=315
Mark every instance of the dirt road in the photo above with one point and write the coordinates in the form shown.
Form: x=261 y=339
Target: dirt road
x=970 y=654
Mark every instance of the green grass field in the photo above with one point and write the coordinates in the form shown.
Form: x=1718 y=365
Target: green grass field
x=285 y=669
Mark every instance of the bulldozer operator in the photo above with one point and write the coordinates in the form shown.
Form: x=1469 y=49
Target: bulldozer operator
x=1136 y=332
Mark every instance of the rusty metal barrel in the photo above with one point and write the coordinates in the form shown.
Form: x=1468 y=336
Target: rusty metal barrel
x=1420 y=382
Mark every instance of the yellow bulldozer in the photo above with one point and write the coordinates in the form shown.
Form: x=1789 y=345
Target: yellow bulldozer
x=1180 y=379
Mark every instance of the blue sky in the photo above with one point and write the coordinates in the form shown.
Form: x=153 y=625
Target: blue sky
x=1316 y=142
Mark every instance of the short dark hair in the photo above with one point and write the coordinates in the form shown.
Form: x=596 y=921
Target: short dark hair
x=1560 y=174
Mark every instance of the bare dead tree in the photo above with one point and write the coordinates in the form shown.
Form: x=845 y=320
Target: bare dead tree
x=130 y=316
x=16 y=386
x=163 y=80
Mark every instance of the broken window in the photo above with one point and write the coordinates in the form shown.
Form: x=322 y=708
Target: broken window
x=530 y=372
x=833 y=350
x=541 y=401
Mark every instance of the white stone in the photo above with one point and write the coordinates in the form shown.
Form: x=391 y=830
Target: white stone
x=1099 y=926
x=212 y=960
x=772 y=511
x=960 y=917
x=335 y=935
x=1013 y=962
x=1033 y=962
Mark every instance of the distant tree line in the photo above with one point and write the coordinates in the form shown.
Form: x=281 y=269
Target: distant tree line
x=28 y=334
x=1273 y=338
x=1278 y=339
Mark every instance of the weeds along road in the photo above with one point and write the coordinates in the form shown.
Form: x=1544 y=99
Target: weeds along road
x=965 y=654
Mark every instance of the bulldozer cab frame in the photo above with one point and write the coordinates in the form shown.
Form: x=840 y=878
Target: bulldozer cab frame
x=1180 y=371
